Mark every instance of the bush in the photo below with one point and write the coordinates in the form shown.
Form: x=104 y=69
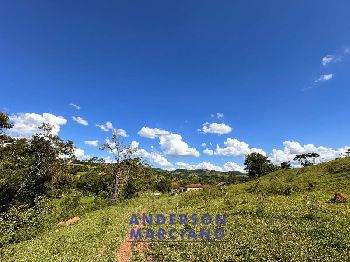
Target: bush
x=74 y=204
x=22 y=222
x=338 y=166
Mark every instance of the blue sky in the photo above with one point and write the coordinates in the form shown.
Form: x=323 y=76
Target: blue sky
x=277 y=70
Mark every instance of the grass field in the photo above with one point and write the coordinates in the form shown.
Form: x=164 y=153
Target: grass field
x=287 y=215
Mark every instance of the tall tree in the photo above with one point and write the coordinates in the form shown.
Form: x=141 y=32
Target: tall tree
x=307 y=159
x=285 y=165
x=123 y=164
x=257 y=165
x=32 y=167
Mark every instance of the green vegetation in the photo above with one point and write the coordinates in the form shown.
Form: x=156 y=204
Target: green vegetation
x=287 y=215
x=94 y=238
x=258 y=165
x=279 y=214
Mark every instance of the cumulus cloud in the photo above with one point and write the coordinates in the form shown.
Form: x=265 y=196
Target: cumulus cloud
x=121 y=132
x=171 y=144
x=208 y=151
x=80 y=120
x=232 y=166
x=134 y=144
x=216 y=128
x=228 y=166
x=153 y=156
x=203 y=144
x=202 y=165
x=26 y=124
x=108 y=126
x=75 y=106
x=292 y=148
x=91 y=143
x=152 y=133
x=80 y=154
x=324 y=78
x=234 y=147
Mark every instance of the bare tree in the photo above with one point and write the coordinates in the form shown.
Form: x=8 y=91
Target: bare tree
x=122 y=163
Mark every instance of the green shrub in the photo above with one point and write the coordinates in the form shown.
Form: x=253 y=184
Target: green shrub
x=22 y=222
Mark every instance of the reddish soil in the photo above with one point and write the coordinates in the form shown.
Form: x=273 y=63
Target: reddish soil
x=124 y=254
x=70 y=221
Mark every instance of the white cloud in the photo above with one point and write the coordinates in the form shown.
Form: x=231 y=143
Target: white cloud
x=153 y=156
x=91 y=142
x=152 y=132
x=80 y=120
x=228 y=166
x=219 y=115
x=134 y=144
x=80 y=154
x=327 y=59
x=232 y=166
x=121 y=132
x=216 y=128
x=208 y=151
x=171 y=144
x=106 y=127
x=203 y=144
x=234 y=147
x=324 y=78
x=292 y=148
x=160 y=160
x=202 y=165
x=75 y=106
x=258 y=150
x=26 y=124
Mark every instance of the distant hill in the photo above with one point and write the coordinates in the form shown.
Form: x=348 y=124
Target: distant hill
x=185 y=176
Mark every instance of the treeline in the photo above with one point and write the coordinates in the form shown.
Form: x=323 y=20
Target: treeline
x=42 y=182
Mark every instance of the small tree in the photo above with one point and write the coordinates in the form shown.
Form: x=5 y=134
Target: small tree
x=5 y=121
x=122 y=166
x=306 y=159
x=347 y=153
x=286 y=165
x=257 y=165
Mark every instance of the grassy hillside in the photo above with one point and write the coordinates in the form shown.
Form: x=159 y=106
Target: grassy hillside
x=284 y=216
x=287 y=215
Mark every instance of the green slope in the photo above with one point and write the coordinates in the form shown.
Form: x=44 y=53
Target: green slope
x=284 y=216
x=93 y=238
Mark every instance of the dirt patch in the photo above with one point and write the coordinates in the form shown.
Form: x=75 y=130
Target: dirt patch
x=339 y=198
x=70 y=221
x=124 y=253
